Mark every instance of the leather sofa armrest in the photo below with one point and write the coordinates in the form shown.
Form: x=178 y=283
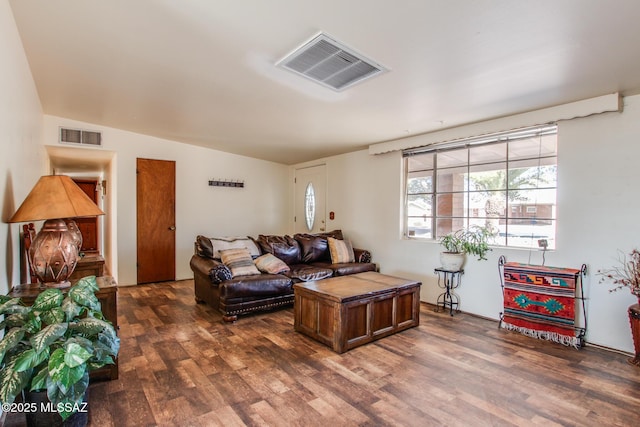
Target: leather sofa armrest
x=203 y=265
x=214 y=269
x=362 y=255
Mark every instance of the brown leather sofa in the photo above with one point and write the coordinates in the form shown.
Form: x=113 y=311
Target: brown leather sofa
x=307 y=256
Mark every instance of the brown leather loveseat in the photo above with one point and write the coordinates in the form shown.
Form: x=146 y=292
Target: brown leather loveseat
x=303 y=257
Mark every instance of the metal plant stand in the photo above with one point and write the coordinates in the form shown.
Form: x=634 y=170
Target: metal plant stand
x=448 y=280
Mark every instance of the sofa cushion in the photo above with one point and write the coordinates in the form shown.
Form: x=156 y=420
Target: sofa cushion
x=346 y=268
x=224 y=243
x=262 y=285
x=306 y=273
x=336 y=234
x=210 y=247
x=285 y=248
x=314 y=247
x=362 y=255
x=239 y=262
x=268 y=263
x=341 y=251
x=203 y=247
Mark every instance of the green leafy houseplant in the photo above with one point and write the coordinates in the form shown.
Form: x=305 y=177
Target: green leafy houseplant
x=53 y=344
x=473 y=240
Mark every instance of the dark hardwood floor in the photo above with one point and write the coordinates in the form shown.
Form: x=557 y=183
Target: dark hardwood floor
x=181 y=366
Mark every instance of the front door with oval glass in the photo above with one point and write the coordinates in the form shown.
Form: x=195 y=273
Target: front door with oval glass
x=309 y=199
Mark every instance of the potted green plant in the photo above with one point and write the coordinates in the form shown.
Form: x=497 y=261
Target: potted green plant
x=52 y=345
x=473 y=240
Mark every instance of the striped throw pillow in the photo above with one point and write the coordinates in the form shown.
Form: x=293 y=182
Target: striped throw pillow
x=341 y=251
x=239 y=262
x=269 y=263
x=219 y=244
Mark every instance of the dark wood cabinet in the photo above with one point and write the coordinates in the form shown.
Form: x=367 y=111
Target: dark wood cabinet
x=88 y=265
x=107 y=295
x=89 y=226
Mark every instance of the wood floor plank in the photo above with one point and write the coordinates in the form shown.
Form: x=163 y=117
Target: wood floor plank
x=181 y=365
x=448 y=371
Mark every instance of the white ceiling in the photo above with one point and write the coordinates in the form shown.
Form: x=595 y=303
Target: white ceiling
x=202 y=71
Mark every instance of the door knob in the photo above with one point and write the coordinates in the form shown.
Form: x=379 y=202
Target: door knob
x=172 y=228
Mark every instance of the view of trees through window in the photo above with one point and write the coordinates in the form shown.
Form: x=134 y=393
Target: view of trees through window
x=507 y=183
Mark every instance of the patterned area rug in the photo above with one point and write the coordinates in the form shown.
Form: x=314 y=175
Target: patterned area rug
x=539 y=302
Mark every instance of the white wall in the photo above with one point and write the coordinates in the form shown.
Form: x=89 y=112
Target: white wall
x=22 y=160
x=597 y=215
x=260 y=207
x=597 y=206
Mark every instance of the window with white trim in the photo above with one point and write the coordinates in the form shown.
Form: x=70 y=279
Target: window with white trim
x=506 y=180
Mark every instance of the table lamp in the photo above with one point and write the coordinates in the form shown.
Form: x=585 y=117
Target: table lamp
x=54 y=251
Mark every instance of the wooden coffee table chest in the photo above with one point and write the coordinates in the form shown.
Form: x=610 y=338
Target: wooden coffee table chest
x=348 y=311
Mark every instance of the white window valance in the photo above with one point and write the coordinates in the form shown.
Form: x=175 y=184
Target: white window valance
x=584 y=108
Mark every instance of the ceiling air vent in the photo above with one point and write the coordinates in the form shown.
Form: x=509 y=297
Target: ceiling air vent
x=81 y=137
x=330 y=63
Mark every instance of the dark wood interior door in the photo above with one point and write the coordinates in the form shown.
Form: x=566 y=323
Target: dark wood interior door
x=88 y=226
x=155 y=200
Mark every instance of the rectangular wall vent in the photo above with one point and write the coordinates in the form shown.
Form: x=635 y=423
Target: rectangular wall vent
x=330 y=63
x=79 y=136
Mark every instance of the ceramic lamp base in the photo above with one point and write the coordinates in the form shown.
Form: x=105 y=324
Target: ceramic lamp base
x=54 y=254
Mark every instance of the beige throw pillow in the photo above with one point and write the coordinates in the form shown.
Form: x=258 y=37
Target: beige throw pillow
x=269 y=263
x=219 y=244
x=239 y=262
x=341 y=251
